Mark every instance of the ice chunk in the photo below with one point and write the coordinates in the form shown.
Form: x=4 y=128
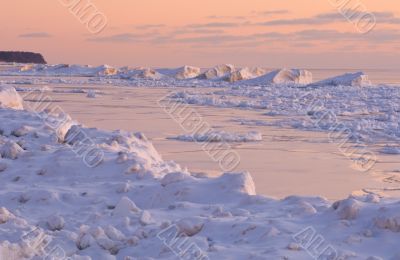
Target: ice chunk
x=9 y=98
x=241 y=182
x=145 y=218
x=190 y=226
x=106 y=70
x=218 y=71
x=5 y=215
x=55 y=223
x=10 y=150
x=140 y=73
x=124 y=207
x=347 y=209
x=91 y=94
x=357 y=79
x=185 y=72
x=173 y=177
x=245 y=73
x=282 y=76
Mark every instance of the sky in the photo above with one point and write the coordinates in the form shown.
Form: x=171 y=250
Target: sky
x=161 y=33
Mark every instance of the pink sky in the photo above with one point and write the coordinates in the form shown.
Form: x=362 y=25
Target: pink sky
x=267 y=33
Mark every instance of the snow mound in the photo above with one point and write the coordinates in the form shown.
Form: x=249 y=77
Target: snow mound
x=357 y=79
x=221 y=136
x=185 y=72
x=245 y=74
x=282 y=76
x=218 y=71
x=9 y=98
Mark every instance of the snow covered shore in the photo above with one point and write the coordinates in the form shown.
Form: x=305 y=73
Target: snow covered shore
x=125 y=202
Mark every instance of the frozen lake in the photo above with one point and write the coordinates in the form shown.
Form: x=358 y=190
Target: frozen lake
x=285 y=162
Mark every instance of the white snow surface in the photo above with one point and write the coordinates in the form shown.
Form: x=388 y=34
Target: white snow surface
x=122 y=208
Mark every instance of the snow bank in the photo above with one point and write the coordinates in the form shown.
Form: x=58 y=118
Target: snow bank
x=357 y=79
x=9 y=98
x=221 y=136
x=282 y=76
x=185 y=72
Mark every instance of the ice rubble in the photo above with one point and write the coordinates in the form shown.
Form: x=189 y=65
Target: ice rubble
x=357 y=79
x=121 y=208
x=282 y=76
x=9 y=98
x=221 y=136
